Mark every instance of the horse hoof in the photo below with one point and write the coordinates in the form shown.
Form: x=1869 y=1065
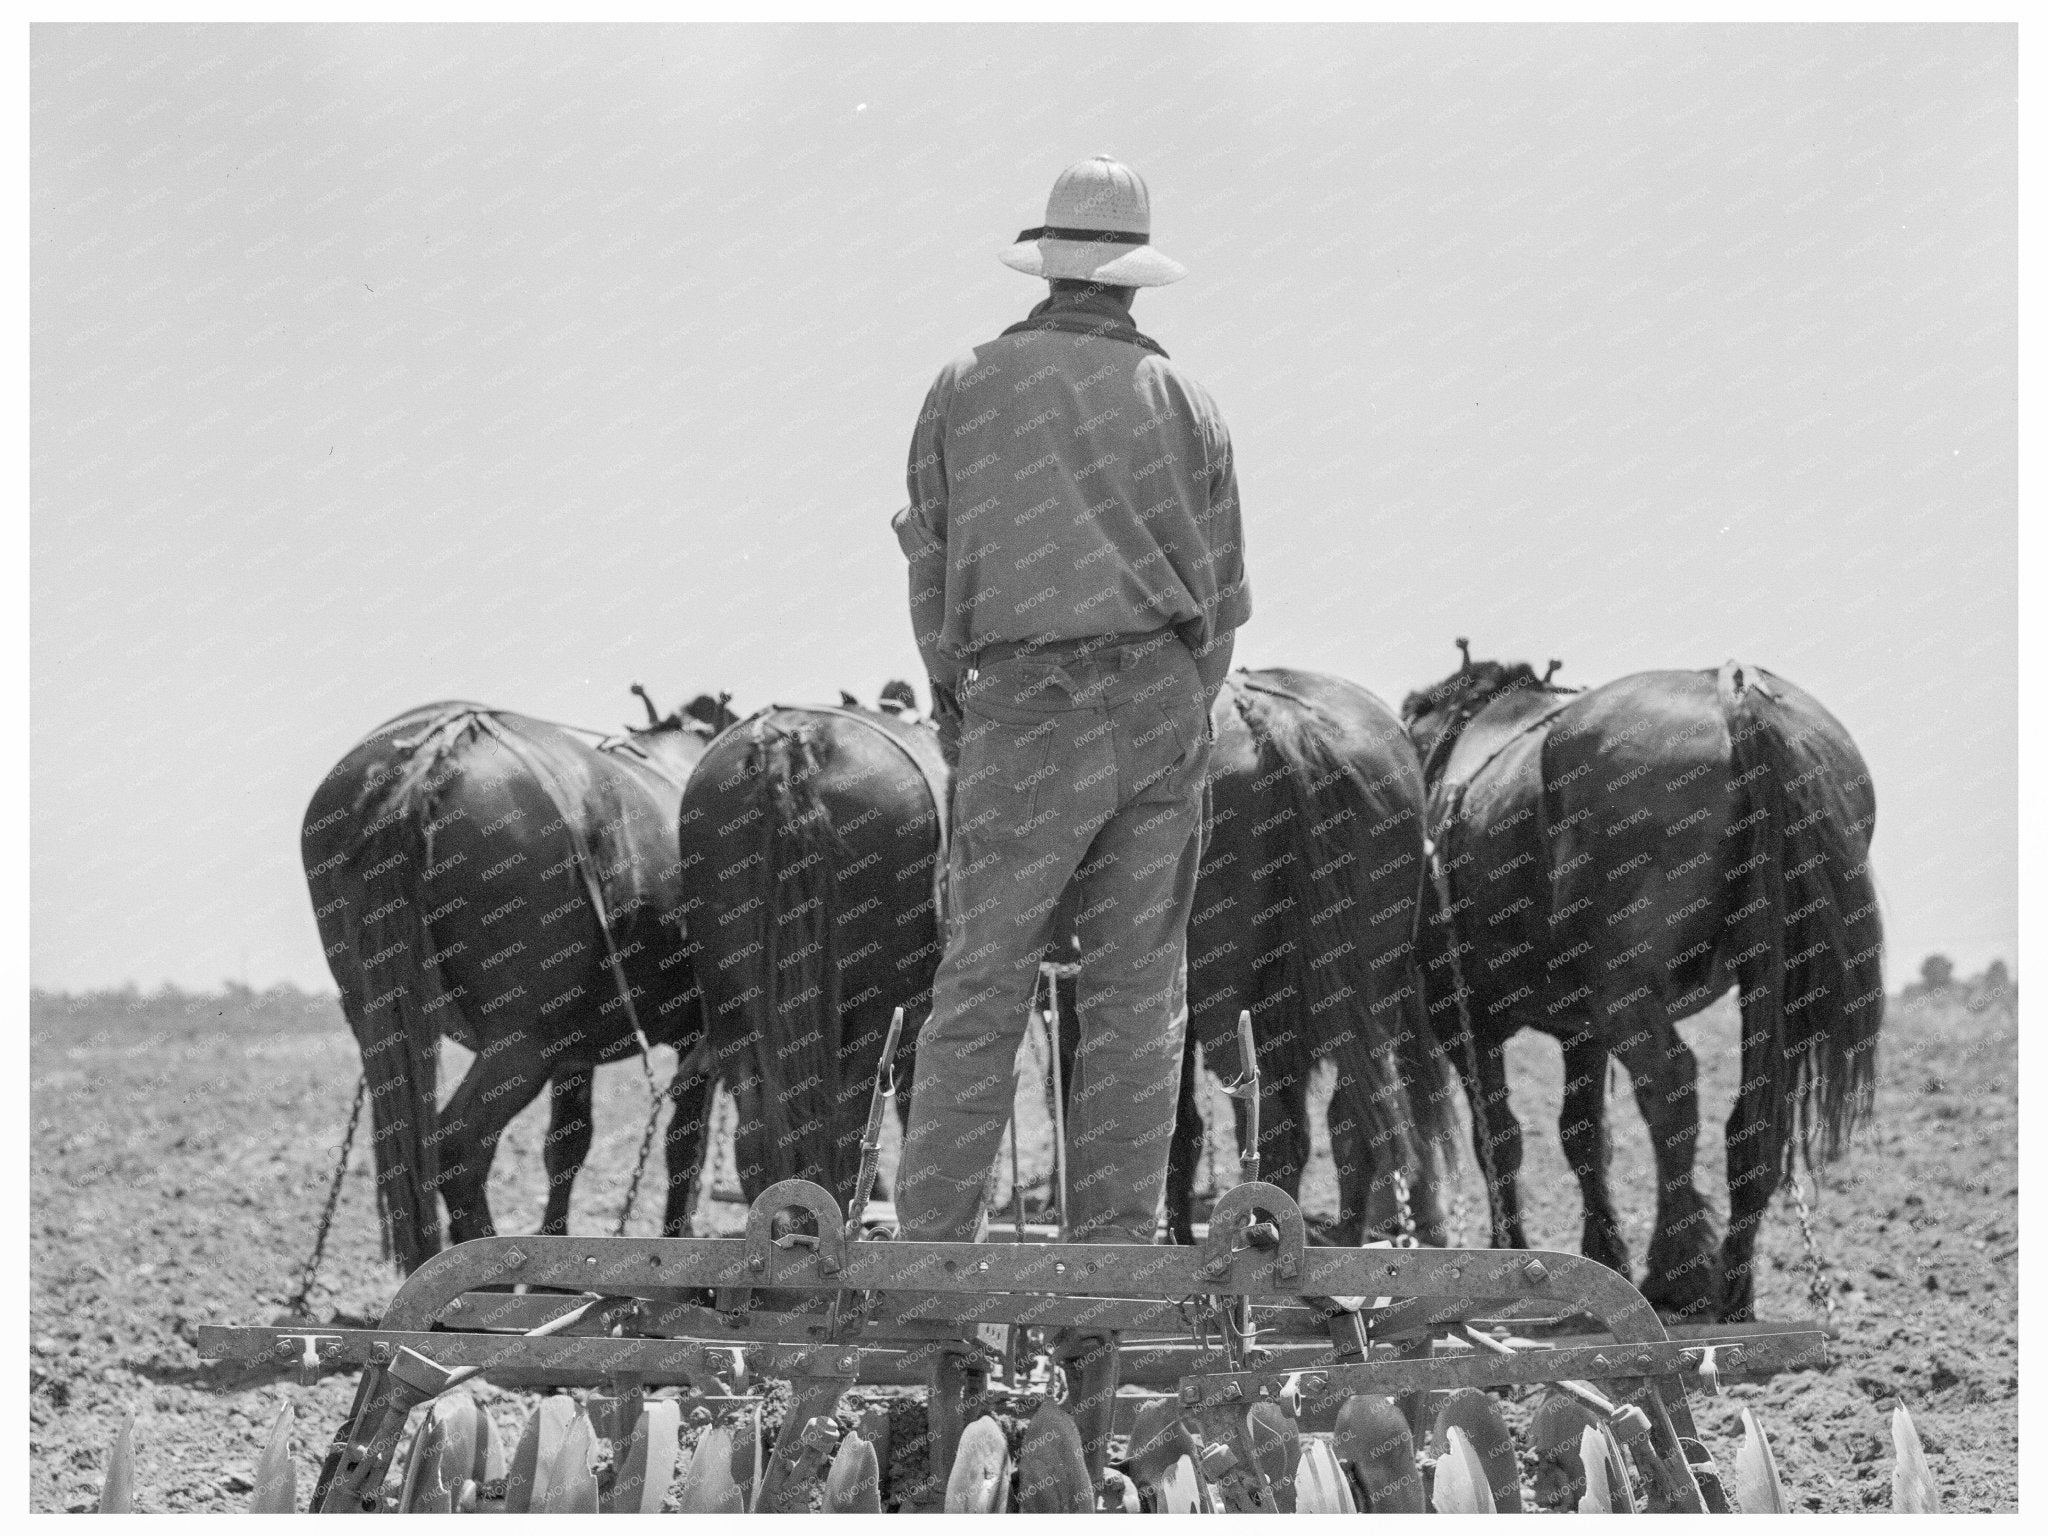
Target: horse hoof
x=1690 y=1290
x=1603 y=1247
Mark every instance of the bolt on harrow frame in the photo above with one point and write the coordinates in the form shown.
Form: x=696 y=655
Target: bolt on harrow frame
x=1250 y=1323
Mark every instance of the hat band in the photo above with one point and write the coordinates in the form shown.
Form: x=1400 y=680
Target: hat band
x=1086 y=236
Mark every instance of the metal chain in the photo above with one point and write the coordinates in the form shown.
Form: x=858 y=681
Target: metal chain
x=311 y=1269
x=1211 y=1141
x=1820 y=1288
x=1404 y=1213
x=655 y=1095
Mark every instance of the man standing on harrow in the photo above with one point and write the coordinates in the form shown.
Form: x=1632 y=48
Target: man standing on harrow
x=1076 y=577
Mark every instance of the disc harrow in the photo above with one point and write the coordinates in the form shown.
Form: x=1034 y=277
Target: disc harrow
x=1258 y=1374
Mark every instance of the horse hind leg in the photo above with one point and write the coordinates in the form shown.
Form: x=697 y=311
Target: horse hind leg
x=1755 y=1158
x=1496 y=1139
x=1582 y=1128
x=1684 y=1267
x=1497 y=1144
x=1369 y=1206
x=1361 y=1213
x=502 y=1081
x=695 y=1092
x=567 y=1146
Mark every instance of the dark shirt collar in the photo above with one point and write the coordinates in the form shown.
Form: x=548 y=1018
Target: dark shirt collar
x=1093 y=315
x=1082 y=304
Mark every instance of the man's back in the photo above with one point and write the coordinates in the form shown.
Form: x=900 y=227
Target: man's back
x=1080 y=484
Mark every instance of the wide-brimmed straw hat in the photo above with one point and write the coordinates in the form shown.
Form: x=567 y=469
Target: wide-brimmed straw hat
x=1098 y=228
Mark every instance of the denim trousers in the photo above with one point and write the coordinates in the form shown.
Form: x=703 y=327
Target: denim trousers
x=1082 y=772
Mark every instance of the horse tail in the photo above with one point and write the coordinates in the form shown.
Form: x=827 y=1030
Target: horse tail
x=1330 y=809
x=792 y=1017
x=394 y=989
x=385 y=946
x=1810 y=970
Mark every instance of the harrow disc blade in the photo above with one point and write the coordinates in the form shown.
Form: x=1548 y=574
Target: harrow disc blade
x=1319 y=1484
x=1706 y=1475
x=1181 y=1491
x=418 y=1488
x=874 y=1428
x=117 y=1490
x=1596 y=1498
x=1276 y=1450
x=1158 y=1441
x=277 y=1476
x=1565 y=1469
x=708 y=1485
x=1119 y=1494
x=444 y=1454
x=1621 y=1492
x=1461 y=1482
x=647 y=1463
x=534 y=1457
x=853 y=1486
x=979 y=1483
x=1476 y=1413
x=572 y=1486
x=1374 y=1440
x=749 y=1467
x=1757 y=1486
x=1913 y=1491
x=491 y=1465
x=1052 y=1470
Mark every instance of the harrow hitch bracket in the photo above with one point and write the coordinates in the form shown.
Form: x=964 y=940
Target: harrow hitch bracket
x=1232 y=1230
x=795 y=1194
x=314 y=1351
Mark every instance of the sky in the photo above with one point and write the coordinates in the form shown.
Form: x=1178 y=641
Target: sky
x=377 y=365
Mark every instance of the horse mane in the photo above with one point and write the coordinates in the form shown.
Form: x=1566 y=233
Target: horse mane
x=710 y=713
x=1482 y=680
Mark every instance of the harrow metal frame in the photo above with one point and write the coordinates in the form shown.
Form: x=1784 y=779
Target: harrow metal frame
x=827 y=1315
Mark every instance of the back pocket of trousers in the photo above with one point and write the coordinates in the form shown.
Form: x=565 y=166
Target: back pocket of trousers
x=1006 y=787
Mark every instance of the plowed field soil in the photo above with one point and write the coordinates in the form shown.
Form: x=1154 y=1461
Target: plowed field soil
x=181 y=1148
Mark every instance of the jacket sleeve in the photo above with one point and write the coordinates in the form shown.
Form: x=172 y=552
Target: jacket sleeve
x=1228 y=595
x=921 y=531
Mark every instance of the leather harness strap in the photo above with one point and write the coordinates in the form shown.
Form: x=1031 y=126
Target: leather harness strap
x=586 y=865
x=458 y=718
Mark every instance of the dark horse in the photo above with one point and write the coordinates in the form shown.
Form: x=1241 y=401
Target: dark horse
x=1613 y=861
x=511 y=884
x=810 y=836
x=1305 y=914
